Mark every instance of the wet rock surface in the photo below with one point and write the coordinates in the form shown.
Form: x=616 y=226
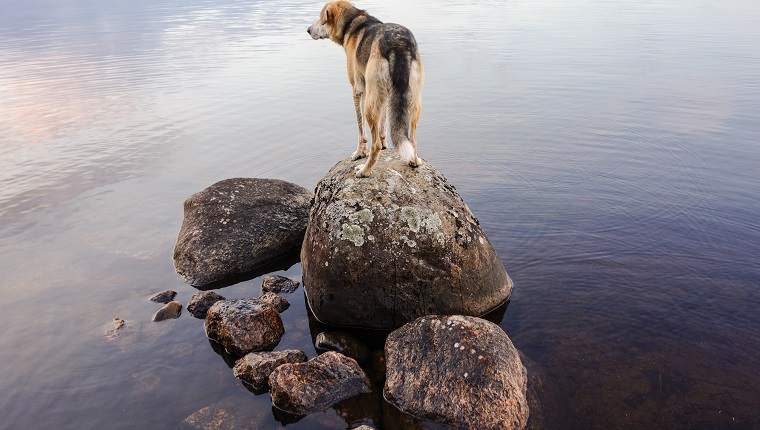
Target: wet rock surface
x=304 y=388
x=114 y=329
x=244 y=325
x=238 y=226
x=478 y=377
x=278 y=284
x=164 y=296
x=276 y=301
x=384 y=250
x=256 y=367
x=343 y=343
x=201 y=302
x=170 y=310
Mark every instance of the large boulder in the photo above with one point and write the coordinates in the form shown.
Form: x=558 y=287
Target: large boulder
x=384 y=250
x=304 y=388
x=244 y=325
x=457 y=370
x=238 y=227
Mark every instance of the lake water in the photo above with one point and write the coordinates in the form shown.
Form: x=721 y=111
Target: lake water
x=610 y=150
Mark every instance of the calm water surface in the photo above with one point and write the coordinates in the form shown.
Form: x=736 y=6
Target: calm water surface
x=610 y=150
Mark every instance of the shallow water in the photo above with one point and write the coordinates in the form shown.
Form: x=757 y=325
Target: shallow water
x=608 y=148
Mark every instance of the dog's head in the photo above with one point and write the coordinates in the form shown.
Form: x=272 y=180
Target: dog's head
x=330 y=21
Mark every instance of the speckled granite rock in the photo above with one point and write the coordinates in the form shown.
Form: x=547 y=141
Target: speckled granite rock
x=278 y=284
x=239 y=225
x=384 y=250
x=244 y=325
x=201 y=302
x=276 y=301
x=256 y=367
x=314 y=386
x=475 y=373
x=170 y=310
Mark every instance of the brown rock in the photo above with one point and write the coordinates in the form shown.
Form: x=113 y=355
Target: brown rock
x=170 y=310
x=165 y=296
x=458 y=370
x=276 y=301
x=201 y=302
x=255 y=367
x=244 y=325
x=314 y=386
x=384 y=250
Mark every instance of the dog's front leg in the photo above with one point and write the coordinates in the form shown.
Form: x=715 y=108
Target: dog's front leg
x=361 y=149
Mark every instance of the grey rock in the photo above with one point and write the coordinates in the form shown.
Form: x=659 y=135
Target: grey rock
x=343 y=343
x=201 y=302
x=304 y=388
x=278 y=284
x=164 y=296
x=238 y=226
x=384 y=250
x=276 y=301
x=170 y=310
x=478 y=378
x=255 y=367
x=244 y=325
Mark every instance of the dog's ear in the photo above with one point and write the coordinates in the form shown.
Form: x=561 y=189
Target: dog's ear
x=325 y=15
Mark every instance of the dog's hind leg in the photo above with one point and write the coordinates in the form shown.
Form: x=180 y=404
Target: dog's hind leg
x=415 y=85
x=375 y=105
x=361 y=149
x=384 y=128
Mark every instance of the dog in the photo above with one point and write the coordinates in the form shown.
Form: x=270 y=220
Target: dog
x=386 y=74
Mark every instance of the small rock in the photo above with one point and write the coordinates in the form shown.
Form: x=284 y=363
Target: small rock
x=276 y=301
x=255 y=367
x=230 y=413
x=200 y=303
x=478 y=378
x=170 y=310
x=303 y=388
x=278 y=284
x=164 y=296
x=244 y=325
x=118 y=323
x=363 y=427
x=343 y=343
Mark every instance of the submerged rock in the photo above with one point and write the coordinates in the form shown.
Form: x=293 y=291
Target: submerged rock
x=169 y=311
x=201 y=302
x=238 y=226
x=244 y=325
x=114 y=330
x=384 y=250
x=458 y=370
x=164 y=296
x=278 y=284
x=256 y=367
x=343 y=343
x=314 y=386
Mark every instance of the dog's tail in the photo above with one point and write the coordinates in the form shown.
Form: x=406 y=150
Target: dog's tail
x=406 y=86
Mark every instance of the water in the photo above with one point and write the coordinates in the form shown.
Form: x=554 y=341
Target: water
x=608 y=148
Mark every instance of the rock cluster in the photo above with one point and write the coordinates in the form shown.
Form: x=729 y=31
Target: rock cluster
x=256 y=367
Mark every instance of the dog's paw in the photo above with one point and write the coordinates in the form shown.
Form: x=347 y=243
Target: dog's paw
x=415 y=163
x=357 y=155
x=360 y=171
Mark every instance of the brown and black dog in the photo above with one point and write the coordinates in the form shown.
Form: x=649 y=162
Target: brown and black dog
x=386 y=75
